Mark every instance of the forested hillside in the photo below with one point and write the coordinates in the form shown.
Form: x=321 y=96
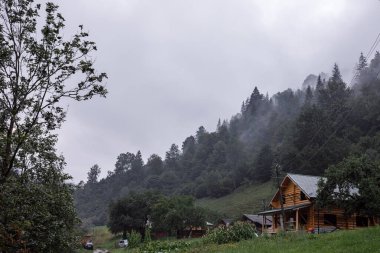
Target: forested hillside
x=304 y=131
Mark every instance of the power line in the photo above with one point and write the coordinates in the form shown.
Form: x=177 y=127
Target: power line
x=369 y=54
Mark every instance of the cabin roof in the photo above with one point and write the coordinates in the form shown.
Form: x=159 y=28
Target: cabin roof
x=258 y=219
x=308 y=184
x=288 y=208
x=226 y=221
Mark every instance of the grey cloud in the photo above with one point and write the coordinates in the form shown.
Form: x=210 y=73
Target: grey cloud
x=177 y=64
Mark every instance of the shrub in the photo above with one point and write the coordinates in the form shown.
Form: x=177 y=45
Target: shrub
x=164 y=246
x=134 y=239
x=239 y=231
x=147 y=237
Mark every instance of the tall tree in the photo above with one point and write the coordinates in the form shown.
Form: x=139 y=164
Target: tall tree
x=35 y=67
x=362 y=64
x=172 y=157
x=353 y=185
x=136 y=173
x=131 y=212
x=124 y=162
x=255 y=101
x=263 y=165
x=34 y=70
x=93 y=174
x=154 y=165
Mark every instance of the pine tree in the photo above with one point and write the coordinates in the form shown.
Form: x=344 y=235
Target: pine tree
x=362 y=63
x=320 y=85
x=336 y=75
x=172 y=158
x=262 y=171
x=255 y=100
x=308 y=96
x=375 y=65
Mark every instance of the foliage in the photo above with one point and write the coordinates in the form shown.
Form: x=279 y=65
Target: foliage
x=165 y=246
x=134 y=239
x=34 y=70
x=93 y=174
x=147 y=236
x=177 y=212
x=234 y=233
x=354 y=185
x=37 y=213
x=131 y=213
x=163 y=213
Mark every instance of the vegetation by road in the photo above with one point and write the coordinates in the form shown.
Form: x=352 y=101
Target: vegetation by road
x=354 y=241
x=358 y=241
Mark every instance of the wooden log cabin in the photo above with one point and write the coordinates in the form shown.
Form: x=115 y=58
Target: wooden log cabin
x=299 y=195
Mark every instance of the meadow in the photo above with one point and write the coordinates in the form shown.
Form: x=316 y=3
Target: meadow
x=353 y=241
x=244 y=200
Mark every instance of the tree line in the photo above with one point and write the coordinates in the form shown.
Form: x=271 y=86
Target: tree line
x=304 y=131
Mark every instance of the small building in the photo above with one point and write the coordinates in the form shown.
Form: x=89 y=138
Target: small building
x=301 y=213
x=225 y=222
x=192 y=232
x=258 y=221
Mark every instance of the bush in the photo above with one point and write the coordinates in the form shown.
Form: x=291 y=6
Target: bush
x=239 y=231
x=147 y=237
x=164 y=246
x=134 y=239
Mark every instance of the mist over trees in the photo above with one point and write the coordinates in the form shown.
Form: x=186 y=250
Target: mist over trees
x=304 y=131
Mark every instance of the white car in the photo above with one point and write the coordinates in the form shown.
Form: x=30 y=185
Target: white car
x=123 y=243
x=89 y=245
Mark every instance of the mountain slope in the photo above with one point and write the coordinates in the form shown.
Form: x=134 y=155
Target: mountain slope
x=246 y=199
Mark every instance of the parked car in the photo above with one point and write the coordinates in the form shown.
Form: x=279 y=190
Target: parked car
x=123 y=243
x=89 y=245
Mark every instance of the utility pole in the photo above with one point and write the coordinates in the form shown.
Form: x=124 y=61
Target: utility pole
x=263 y=202
x=282 y=217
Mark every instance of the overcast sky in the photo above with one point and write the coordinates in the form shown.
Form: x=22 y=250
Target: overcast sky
x=175 y=65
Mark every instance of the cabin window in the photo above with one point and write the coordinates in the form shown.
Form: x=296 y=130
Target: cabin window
x=329 y=219
x=303 y=196
x=361 y=221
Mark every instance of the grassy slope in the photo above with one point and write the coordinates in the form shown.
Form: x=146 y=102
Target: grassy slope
x=354 y=241
x=358 y=241
x=246 y=199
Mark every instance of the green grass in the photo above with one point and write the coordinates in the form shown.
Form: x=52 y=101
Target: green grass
x=353 y=241
x=246 y=199
x=357 y=241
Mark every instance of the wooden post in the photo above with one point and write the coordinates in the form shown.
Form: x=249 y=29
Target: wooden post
x=263 y=225
x=318 y=220
x=282 y=217
x=297 y=219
